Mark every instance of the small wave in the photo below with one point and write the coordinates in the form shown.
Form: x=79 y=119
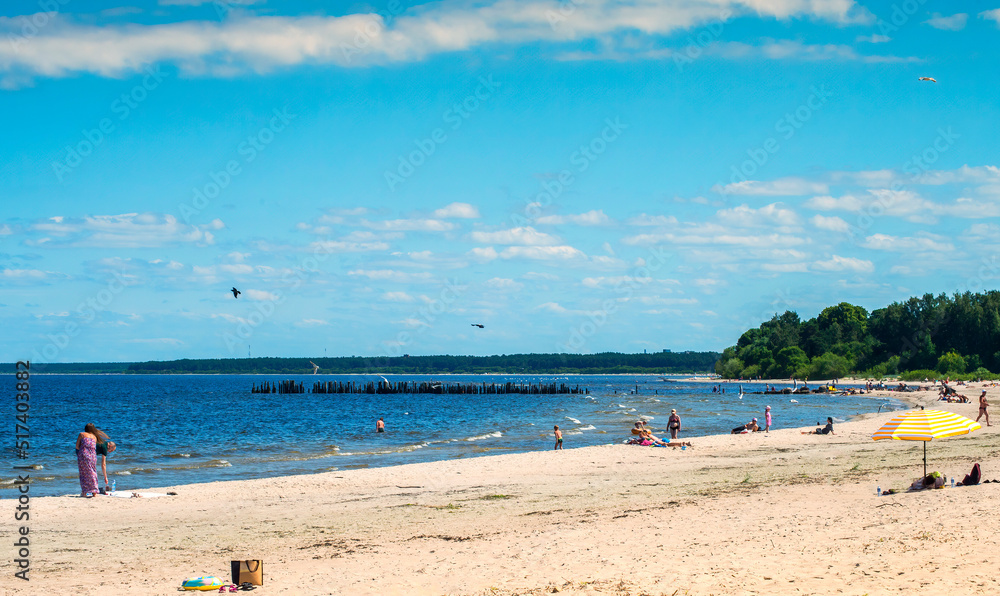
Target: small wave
x=588 y=427
x=572 y=419
x=491 y=435
x=177 y=455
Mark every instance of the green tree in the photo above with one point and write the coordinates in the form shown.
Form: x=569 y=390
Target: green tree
x=828 y=366
x=789 y=360
x=950 y=363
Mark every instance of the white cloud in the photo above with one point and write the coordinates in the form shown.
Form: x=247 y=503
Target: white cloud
x=458 y=211
x=23 y=274
x=413 y=323
x=261 y=295
x=652 y=220
x=906 y=204
x=785 y=267
x=712 y=234
x=839 y=263
x=5 y=230
x=993 y=15
x=312 y=323
x=955 y=22
x=787 y=49
x=875 y=38
x=926 y=243
x=264 y=43
x=391 y=275
x=832 y=223
x=503 y=284
x=397 y=297
x=543 y=253
x=590 y=218
x=768 y=215
x=128 y=230
x=781 y=187
x=828 y=203
x=410 y=225
x=483 y=254
x=526 y=236
x=553 y=307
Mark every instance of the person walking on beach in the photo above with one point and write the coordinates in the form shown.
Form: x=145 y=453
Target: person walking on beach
x=674 y=424
x=380 y=426
x=86 y=458
x=767 y=418
x=558 y=434
x=982 y=408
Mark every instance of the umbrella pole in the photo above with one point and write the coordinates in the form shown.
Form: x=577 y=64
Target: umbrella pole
x=925 y=459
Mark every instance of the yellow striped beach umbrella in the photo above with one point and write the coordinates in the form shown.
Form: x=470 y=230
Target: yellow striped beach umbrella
x=924 y=425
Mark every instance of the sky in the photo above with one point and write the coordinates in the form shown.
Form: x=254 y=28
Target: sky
x=578 y=176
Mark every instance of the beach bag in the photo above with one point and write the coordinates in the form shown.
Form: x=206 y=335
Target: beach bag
x=972 y=478
x=250 y=570
x=204 y=582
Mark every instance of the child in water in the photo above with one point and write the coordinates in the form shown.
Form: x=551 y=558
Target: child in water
x=558 y=434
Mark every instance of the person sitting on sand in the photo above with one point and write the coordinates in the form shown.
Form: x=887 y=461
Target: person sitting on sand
x=749 y=427
x=645 y=434
x=826 y=430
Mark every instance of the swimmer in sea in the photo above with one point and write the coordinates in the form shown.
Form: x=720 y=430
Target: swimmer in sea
x=380 y=426
x=558 y=434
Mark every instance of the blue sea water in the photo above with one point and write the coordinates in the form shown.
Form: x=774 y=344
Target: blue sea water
x=183 y=429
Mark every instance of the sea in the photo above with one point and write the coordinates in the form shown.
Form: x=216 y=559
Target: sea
x=188 y=429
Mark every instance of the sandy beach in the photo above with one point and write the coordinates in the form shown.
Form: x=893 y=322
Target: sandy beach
x=775 y=513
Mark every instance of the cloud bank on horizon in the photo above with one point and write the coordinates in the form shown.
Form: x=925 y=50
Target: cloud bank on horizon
x=578 y=176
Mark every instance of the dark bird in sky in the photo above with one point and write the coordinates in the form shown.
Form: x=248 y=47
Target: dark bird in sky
x=236 y=293
x=478 y=325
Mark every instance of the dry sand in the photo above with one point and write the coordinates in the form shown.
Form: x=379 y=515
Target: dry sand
x=776 y=513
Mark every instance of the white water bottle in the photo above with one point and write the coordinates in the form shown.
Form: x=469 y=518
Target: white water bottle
x=112 y=486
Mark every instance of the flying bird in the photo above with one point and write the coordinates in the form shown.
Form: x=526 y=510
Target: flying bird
x=478 y=325
x=927 y=79
x=315 y=367
x=236 y=293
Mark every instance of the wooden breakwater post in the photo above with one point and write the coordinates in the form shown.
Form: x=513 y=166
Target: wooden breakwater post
x=279 y=387
x=389 y=387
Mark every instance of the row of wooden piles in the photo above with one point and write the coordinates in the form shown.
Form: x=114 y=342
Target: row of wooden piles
x=422 y=387
x=278 y=387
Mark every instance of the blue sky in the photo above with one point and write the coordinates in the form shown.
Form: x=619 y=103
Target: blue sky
x=576 y=176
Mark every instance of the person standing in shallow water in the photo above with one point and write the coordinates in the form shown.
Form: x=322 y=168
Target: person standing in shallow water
x=380 y=426
x=558 y=434
x=674 y=424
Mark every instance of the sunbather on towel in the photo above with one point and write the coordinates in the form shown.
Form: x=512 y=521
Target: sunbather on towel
x=932 y=480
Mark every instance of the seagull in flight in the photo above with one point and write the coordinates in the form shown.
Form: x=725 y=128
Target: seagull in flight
x=927 y=79
x=236 y=293
x=315 y=367
x=478 y=325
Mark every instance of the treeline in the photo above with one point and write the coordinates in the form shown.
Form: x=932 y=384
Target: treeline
x=606 y=363
x=929 y=336
x=77 y=368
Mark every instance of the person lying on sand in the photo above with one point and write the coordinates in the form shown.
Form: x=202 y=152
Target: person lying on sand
x=749 y=427
x=826 y=430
